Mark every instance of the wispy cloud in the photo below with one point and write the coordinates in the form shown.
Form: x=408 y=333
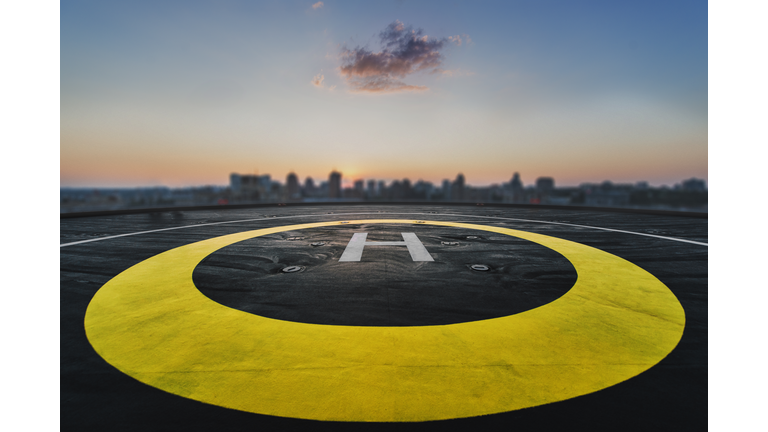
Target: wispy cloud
x=404 y=52
x=456 y=73
x=317 y=81
x=459 y=39
x=317 y=5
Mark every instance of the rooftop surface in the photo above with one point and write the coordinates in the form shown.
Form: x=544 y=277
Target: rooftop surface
x=383 y=317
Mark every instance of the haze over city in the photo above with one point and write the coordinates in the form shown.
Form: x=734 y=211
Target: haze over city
x=186 y=93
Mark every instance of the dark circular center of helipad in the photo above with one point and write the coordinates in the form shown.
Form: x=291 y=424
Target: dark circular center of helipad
x=297 y=276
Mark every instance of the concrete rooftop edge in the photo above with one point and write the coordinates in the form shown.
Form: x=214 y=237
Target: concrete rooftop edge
x=700 y=215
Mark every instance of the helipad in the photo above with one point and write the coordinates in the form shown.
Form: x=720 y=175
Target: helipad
x=383 y=315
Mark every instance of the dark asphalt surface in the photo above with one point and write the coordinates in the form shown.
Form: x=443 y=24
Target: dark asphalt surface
x=390 y=292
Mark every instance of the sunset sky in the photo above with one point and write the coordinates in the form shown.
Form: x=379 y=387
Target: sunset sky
x=183 y=93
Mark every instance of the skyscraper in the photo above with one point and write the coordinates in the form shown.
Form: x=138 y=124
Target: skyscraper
x=309 y=184
x=457 y=189
x=446 y=190
x=359 y=188
x=514 y=192
x=516 y=184
x=292 y=186
x=334 y=185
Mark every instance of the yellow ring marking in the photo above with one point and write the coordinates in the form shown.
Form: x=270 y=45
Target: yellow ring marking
x=152 y=323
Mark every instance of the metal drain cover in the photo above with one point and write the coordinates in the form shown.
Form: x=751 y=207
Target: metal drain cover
x=479 y=267
x=292 y=269
x=318 y=244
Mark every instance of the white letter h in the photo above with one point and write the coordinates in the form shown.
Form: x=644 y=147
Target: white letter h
x=354 y=250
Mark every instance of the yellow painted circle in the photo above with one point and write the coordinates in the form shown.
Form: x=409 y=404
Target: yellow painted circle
x=151 y=323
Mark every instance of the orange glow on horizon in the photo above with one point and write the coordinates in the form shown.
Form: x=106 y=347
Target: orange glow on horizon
x=123 y=165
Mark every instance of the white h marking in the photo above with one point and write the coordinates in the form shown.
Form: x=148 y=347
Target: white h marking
x=354 y=250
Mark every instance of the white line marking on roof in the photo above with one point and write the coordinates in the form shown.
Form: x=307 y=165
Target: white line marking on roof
x=381 y=214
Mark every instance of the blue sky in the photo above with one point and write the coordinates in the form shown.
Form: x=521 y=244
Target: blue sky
x=183 y=93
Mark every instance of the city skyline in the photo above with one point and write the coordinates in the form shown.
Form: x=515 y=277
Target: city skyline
x=336 y=181
x=348 y=182
x=182 y=94
x=690 y=194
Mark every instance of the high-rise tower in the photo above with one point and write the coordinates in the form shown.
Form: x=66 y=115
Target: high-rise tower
x=334 y=185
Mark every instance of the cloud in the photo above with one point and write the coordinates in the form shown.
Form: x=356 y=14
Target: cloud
x=317 y=5
x=317 y=81
x=458 y=39
x=404 y=52
x=456 y=73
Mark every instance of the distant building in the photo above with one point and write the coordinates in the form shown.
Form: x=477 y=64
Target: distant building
x=292 y=186
x=457 y=188
x=322 y=190
x=396 y=190
x=249 y=186
x=309 y=187
x=407 y=189
x=516 y=184
x=359 y=188
x=513 y=191
x=606 y=198
x=234 y=182
x=446 y=190
x=423 y=190
x=334 y=185
x=694 y=184
x=545 y=185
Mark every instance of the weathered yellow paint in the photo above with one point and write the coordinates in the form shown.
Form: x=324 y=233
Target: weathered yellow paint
x=151 y=323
